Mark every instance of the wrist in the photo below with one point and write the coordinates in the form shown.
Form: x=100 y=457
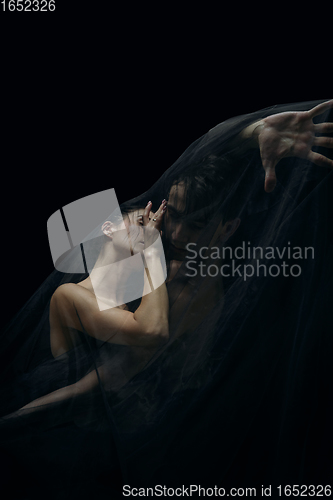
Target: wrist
x=252 y=132
x=256 y=131
x=249 y=137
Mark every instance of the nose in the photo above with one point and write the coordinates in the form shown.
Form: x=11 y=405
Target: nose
x=180 y=233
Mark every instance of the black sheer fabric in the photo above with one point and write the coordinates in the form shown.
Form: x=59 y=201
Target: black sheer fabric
x=239 y=396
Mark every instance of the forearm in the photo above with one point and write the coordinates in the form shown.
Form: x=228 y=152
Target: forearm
x=58 y=396
x=153 y=312
x=251 y=133
x=71 y=400
x=247 y=139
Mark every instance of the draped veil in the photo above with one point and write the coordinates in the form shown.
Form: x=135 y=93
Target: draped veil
x=241 y=394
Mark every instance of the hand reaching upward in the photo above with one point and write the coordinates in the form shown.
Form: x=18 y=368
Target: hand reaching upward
x=292 y=134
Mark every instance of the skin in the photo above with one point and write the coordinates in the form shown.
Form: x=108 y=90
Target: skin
x=146 y=328
x=73 y=306
x=62 y=317
x=180 y=231
x=290 y=134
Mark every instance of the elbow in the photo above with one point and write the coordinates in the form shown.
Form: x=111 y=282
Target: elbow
x=158 y=336
x=163 y=335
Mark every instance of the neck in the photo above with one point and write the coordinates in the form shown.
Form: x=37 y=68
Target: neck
x=108 y=278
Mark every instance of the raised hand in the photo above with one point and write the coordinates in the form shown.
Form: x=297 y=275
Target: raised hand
x=153 y=222
x=156 y=220
x=292 y=134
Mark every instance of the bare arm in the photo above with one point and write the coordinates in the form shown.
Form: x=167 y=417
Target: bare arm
x=87 y=384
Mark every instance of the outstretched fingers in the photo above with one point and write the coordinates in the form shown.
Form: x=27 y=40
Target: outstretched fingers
x=270 y=175
x=320 y=108
x=320 y=160
x=323 y=128
x=325 y=142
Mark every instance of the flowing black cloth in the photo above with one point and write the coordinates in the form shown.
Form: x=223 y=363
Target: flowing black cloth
x=241 y=395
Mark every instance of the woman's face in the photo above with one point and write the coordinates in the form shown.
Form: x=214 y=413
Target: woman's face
x=128 y=235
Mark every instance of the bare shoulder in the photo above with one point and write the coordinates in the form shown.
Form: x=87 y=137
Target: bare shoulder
x=70 y=302
x=70 y=292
